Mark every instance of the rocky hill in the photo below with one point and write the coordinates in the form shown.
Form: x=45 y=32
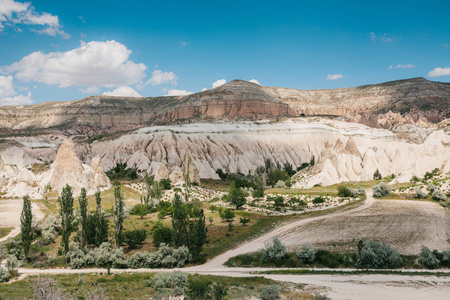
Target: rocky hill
x=414 y=101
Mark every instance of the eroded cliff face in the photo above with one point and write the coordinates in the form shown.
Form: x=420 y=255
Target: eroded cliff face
x=344 y=151
x=414 y=101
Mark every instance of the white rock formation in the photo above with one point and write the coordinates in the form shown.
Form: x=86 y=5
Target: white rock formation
x=17 y=180
x=162 y=172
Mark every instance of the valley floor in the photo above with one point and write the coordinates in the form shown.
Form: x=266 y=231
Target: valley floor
x=336 y=286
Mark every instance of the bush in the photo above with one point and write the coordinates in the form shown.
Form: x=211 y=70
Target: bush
x=307 y=254
x=358 y=191
x=134 y=237
x=432 y=188
x=227 y=215
x=419 y=194
x=199 y=288
x=142 y=210
x=270 y=292
x=318 y=200
x=165 y=257
x=175 y=281
x=161 y=234
x=4 y=274
x=166 y=184
x=344 y=191
x=381 y=190
x=377 y=175
x=258 y=193
x=428 y=259
x=280 y=184
x=377 y=255
x=244 y=220
x=438 y=195
x=273 y=251
x=219 y=291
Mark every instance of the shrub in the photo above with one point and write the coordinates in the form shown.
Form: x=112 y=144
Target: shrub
x=344 y=191
x=199 y=288
x=244 y=220
x=307 y=254
x=12 y=263
x=318 y=200
x=428 y=259
x=137 y=260
x=377 y=175
x=141 y=210
x=377 y=255
x=273 y=251
x=166 y=184
x=258 y=193
x=175 y=281
x=4 y=274
x=414 y=179
x=227 y=215
x=382 y=189
x=358 y=191
x=280 y=184
x=161 y=234
x=419 y=194
x=219 y=291
x=134 y=237
x=270 y=292
x=438 y=195
x=432 y=188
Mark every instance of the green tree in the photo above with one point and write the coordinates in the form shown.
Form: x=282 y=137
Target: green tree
x=236 y=196
x=101 y=231
x=244 y=221
x=66 y=212
x=180 y=222
x=83 y=202
x=187 y=180
x=377 y=175
x=227 y=215
x=200 y=234
x=118 y=215
x=26 y=219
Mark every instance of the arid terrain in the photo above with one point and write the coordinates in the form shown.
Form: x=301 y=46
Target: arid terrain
x=326 y=169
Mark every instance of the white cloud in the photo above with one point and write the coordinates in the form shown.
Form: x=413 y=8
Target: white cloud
x=204 y=89
x=91 y=90
x=178 y=93
x=183 y=44
x=160 y=77
x=218 y=83
x=254 y=81
x=439 y=72
x=8 y=94
x=92 y=64
x=408 y=66
x=124 y=91
x=445 y=46
x=383 y=37
x=14 y=13
x=334 y=76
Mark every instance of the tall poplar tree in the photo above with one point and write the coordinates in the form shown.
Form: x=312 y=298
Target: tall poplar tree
x=180 y=222
x=26 y=219
x=82 y=200
x=66 y=212
x=118 y=215
x=199 y=235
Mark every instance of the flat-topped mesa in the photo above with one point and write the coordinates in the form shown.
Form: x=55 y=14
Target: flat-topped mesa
x=413 y=101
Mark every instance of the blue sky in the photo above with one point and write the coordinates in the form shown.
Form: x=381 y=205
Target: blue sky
x=67 y=50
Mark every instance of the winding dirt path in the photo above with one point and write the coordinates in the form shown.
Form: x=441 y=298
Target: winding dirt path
x=258 y=243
